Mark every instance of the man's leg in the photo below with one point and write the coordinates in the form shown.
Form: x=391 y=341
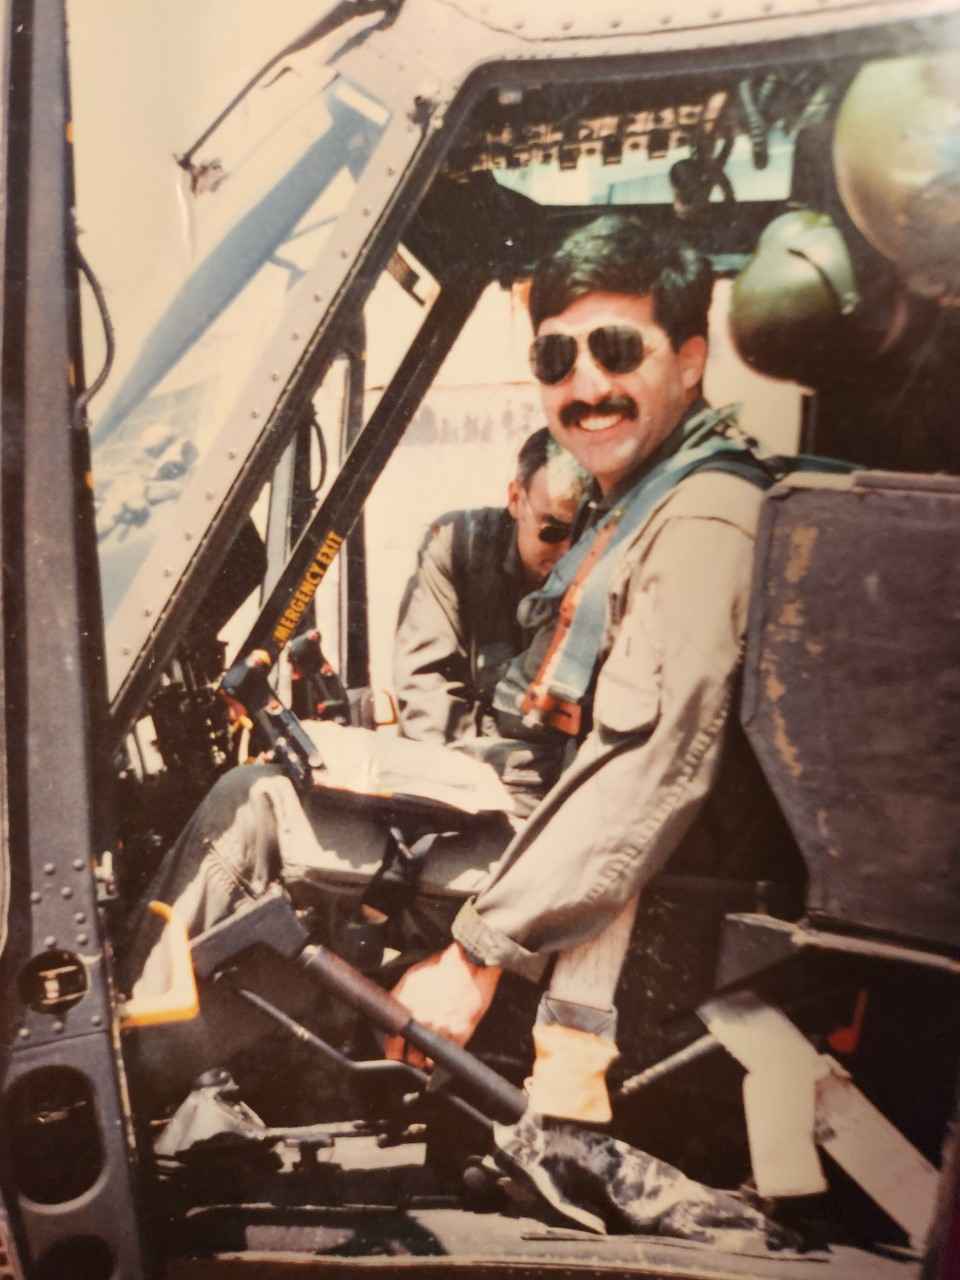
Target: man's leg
x=575 y=1031
x=245 y=833
x=252 y=830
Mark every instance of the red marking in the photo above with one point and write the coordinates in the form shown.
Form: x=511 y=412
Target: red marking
x=845 y=1039
x=236 y=711
x=564 y=716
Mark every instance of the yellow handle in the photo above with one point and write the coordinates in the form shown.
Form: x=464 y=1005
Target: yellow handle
x=181 y=1002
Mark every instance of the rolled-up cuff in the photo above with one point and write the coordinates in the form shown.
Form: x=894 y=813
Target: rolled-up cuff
x=488 y=947
x=553 y=1011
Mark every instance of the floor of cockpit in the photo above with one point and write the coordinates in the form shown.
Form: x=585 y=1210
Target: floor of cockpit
x=363 y=1207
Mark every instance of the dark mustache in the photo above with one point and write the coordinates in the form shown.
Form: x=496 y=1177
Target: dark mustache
x=572 y=413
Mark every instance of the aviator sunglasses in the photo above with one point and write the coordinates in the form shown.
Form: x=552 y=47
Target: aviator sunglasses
x=618 y=348
x=550 y=529
x=554 y=531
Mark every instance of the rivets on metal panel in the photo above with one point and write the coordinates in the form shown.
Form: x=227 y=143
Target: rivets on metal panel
x=82 y=939
x=79 y=917
x=58 y=1026
x=24 y=1033
x=231 y=455
x=49 y=868
x=96 y=1020
x=49 y=940
x=66 y=891
x=78 y=864
x=36 y=897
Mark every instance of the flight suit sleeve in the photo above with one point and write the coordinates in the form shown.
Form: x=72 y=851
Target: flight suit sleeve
x=663 y=698
x=431 y=665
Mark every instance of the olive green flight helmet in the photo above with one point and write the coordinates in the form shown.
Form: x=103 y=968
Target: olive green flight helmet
x=791 y=303
x=897 y=161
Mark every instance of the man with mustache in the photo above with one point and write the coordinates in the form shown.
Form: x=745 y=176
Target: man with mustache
x=641 y=632
x=632 y=672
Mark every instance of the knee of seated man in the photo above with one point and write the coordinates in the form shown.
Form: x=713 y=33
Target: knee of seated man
x=232 y=789
x=231 y=794
x=236 y=823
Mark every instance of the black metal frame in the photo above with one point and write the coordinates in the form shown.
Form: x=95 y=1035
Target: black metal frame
x=354 y=627
x=51 y=658
x=326 y=533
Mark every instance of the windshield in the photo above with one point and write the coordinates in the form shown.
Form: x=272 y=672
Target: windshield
x=257 y=224
x=650 y=176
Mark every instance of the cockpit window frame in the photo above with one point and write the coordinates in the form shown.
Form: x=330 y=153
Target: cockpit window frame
x=427 y=118
x=142 y=637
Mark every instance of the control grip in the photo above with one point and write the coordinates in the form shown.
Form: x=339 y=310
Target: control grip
x=506 y=1102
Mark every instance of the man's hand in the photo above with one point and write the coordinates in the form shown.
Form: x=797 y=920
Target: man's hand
x=447 y=993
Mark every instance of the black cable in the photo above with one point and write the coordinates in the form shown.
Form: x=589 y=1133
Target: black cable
x=109 y=338
x=322 y=451
x=756 y=124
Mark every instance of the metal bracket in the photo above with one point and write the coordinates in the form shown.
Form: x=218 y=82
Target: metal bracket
x=796 y=1099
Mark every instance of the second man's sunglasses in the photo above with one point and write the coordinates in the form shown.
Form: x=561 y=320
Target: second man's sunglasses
x=618 y=348
x=549 y=529
x=554 y=531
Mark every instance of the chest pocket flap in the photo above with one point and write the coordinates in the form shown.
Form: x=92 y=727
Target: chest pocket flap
x=628 y=684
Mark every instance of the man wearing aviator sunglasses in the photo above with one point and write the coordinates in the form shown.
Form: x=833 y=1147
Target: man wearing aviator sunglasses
x=632 y=668
x=458 y=618
x=637 y=657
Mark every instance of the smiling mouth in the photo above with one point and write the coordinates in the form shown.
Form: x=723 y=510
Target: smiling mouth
x=602 y=416
x=597 y=422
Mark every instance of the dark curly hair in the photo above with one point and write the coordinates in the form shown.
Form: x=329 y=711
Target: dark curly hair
x=617 y=253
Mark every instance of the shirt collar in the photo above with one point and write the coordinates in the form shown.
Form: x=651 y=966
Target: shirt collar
x=599 y=503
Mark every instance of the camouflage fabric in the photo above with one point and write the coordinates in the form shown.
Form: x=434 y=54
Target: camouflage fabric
x=604 y=1185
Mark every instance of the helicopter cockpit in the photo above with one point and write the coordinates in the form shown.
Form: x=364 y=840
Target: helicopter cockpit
x=327 y=351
